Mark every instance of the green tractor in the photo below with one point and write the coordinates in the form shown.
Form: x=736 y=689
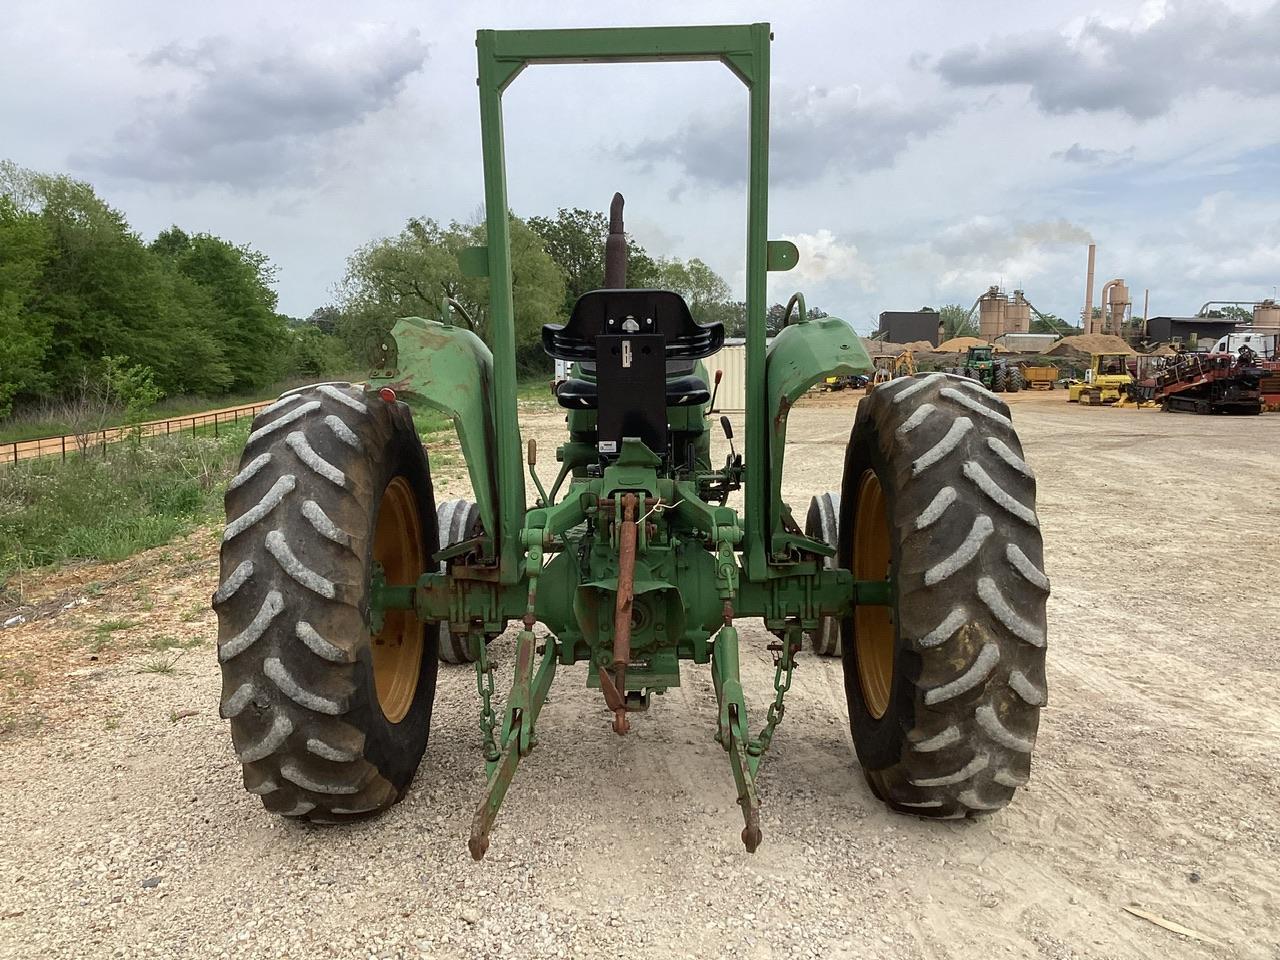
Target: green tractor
x=997 y=376
x=343 y=582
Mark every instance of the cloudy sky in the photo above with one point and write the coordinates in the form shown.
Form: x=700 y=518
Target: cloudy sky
x=920 y=152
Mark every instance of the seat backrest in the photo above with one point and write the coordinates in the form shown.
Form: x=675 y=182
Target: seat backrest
x=619 y=312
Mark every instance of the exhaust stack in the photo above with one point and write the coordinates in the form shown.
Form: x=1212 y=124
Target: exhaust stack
x=615 y=248
x=1087 y=319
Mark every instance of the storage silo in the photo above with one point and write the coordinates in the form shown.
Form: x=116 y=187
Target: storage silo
x=1017 y=314
x=991 y=310
x=1266 y=315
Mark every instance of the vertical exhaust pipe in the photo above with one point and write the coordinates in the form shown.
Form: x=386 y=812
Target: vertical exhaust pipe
x=1088 y=293
x=615 y=248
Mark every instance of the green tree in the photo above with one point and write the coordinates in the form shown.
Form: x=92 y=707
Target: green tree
x=314 y=353
x=411 y=274
x=1052 y=323
x=92 y=291
x=233 y=317
x=733 y=314
x=955 y=322
x=693 y=280
x=1233 y=312
x=26 y=333
x=575 y=240
x=325 y=319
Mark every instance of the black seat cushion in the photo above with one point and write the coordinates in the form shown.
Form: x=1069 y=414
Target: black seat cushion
x=619 y=312
x=687 y=391
x=578 y=394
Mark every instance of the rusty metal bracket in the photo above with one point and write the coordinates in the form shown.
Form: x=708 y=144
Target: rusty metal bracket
x=622 y=609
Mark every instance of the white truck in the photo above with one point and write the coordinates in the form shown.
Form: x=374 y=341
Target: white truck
x=1265 y=345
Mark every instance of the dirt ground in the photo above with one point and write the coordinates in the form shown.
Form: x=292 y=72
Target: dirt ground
x=124 y=830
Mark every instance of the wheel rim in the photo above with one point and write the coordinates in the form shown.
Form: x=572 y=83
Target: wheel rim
x=873 y=630
x=397 y=648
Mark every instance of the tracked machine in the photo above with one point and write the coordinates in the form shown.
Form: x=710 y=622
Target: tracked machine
x=1107 y=380
x=343 y=582
x=1229 y=383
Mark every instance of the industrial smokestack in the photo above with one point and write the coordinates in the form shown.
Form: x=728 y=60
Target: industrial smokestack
x=1087 y=320
x=615 y=248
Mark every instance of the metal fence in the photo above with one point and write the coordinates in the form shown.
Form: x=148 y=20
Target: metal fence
x=72 y=444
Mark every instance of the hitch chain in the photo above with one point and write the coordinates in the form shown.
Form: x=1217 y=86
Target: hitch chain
x=485 y=686
x=784 y=664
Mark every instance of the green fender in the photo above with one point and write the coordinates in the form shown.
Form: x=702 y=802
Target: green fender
x=450 y=369
x=799 y=356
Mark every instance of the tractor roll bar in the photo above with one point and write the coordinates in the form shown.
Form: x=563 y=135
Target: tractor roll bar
x=502 y=55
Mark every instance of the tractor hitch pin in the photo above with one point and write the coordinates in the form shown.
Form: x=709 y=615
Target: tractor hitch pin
x=622 y=610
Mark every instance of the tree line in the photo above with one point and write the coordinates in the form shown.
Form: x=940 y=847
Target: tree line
x=554 y=260
x=78 y=286
x=84 y=297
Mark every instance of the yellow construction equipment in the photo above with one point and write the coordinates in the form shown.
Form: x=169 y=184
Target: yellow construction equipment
x=1106 y=381
x=1040 y=378
x=903 y=365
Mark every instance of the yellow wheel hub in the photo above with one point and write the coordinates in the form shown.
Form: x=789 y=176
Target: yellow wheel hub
x=397 y=649
x=873 y=629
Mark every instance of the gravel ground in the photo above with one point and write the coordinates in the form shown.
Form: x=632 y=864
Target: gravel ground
x=125 y=832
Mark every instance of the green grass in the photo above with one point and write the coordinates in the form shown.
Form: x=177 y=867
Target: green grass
x=110 y=507
x=193 y=613
x=103 y=631
x=535 y=389
x=33 y=423
x=131 y=497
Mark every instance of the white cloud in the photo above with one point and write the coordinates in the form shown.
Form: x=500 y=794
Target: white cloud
x=826 y=259
x=965 y=258
x=248 y=115
x=1169 y=52
x=814 y=131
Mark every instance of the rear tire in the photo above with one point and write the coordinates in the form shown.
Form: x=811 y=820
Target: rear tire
x=458 y=520
x=823 y=523
x=1014 y=380
x=998 y=380
x=944 y=689
x=329 y=722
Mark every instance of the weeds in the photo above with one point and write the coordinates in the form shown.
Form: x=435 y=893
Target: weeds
x=102 y=633
x=124 y=498
x=162 y=665
x=108 y=508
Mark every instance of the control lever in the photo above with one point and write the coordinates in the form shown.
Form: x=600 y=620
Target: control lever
x=714 y=390
x=728 y=435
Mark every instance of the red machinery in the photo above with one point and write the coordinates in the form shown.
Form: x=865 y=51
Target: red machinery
x=1215 y=383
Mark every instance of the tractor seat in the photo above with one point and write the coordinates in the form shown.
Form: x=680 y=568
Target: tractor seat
x=686 y=391
x=620 y=312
